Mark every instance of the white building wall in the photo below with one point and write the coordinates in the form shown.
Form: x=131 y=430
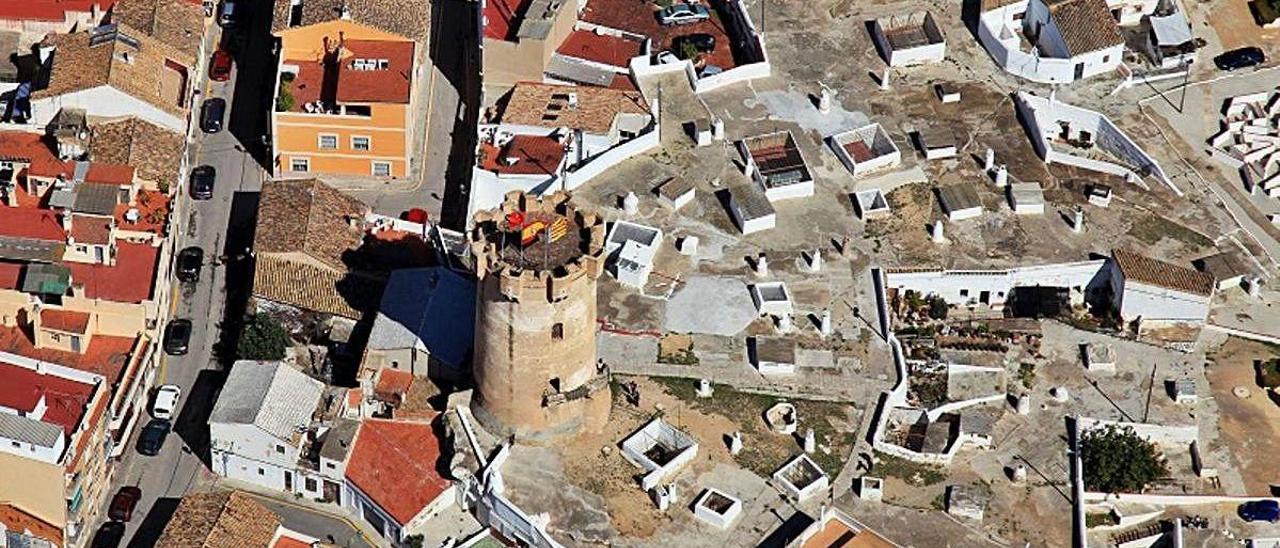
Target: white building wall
x=107 y=102
x=1158 y=304
x=41 y=453
x=247 y=453
x=966 y=286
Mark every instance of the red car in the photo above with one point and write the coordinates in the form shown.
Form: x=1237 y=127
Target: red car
x=220 y=66
x=124 y=501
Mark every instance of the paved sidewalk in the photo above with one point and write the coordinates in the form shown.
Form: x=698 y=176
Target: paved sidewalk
x=311 y=518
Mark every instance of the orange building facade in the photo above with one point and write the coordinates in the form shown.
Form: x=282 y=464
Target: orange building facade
x=344 y=102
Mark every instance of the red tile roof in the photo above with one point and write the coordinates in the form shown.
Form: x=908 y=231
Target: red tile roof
x=106 y=355
x=90 y=229
x=1143 y=269
x=153 y=212
x=36 y=224
x=390 y=85
x=10 y=275
x=393 y=462
x=65 y=399
x=17 y=519
x=498 y=18
x=130 y=280
x=290 y=542
x=64 y=320
x=601 y=48
x=393 y=384
x=29 y=147
x=533 y=155
x=49 y=10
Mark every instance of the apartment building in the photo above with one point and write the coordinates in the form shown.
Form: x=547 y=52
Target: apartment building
x=82 y=245
x=344 y=105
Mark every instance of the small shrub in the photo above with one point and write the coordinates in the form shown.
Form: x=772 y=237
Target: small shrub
x=1269 y=373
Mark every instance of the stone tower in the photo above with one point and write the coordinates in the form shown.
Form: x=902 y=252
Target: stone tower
x=536 y=373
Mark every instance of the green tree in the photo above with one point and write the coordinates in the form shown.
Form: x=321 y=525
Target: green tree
x=263 y=338
x=937 y=307
x=1117 y=460
x=413 y=541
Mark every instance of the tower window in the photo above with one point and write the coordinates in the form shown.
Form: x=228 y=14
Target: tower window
x=557 y=331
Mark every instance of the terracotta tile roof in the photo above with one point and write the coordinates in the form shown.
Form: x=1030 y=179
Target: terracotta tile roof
x=64 y=320
x=35 y=224
x=155 y=151
x=834 y=532
x=66 y=400
x=289 y=542
x=33 y=148
x=90 y=229
x=390 y=85
x=408 y=18
x=130 y=280
x=1086 y=25
x=106 y=355
x=601 y=48
x=1140 y=268
x=314 y=287
x=178 y=23
x=153 y=212
x=18 y=520
x=393 y=384
x=524 y=155
x=217 y=519
x=547 y=105
x=308 y=217
x=49 y=10
x=146 y=72
x=499 y=18
x=11 y=274
x=393 y=462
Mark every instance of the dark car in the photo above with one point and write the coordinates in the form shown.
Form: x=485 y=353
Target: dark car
x=228 y=14
x=212 y=113
x=1240 y=58
x=220 y=66
x=152 y=437
x=109 y=535
x=123 y=503
x=202 y=178
x=189 y=262
x=177 y=335
x=1260 y=510
x=701 y=42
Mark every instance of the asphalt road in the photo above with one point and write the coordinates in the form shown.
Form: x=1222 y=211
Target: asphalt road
x=450 y=104
x=314 y=523
x=223 y=228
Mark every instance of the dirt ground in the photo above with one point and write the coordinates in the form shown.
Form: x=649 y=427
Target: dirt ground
x=1250 y=426
x=595 y=463
x=1235 y=26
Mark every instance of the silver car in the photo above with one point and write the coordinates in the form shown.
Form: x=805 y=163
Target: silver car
x=680 y=14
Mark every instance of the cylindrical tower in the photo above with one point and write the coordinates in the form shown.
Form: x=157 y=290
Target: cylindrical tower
x=536 y=373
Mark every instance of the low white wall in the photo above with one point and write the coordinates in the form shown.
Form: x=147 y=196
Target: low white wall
x=949 y=284
x=1155 y=433
x=958 y=405
x=1157 y=304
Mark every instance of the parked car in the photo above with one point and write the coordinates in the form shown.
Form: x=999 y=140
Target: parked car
x=166 y=402
x=1260 y=510
x=228 y=14
x=212 y=113
x=190 y=260
x=683 y=13
x=123 y=503
x=152 y=437
x=220 y=66
x=177 y=335
x=202 y=178
x=701 y=42
x=1240 y=58
x=109 y=535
